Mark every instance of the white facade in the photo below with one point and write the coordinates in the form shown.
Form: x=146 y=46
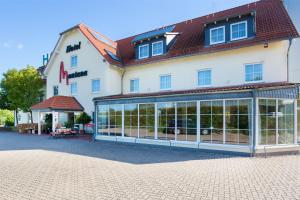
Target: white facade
x=90 y=60
x=293 y=7
x=227 y=68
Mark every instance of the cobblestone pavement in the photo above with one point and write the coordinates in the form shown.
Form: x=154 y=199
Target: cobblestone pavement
x=39 y=167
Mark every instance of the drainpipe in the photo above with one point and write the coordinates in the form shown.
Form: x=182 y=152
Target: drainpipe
x=122 y=80
x=287 y=61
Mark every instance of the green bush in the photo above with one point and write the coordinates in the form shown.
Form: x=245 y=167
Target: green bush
x=9 y=121
x=6 y=117
x=83 y=118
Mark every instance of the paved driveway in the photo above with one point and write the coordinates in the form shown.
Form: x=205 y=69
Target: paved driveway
x=39 y=167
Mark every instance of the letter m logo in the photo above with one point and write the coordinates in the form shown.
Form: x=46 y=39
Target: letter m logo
x=63 y=74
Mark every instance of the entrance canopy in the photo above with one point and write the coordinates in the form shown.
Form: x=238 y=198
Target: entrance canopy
x=56 y=105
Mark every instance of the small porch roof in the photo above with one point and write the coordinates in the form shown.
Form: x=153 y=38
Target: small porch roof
x=58 y=103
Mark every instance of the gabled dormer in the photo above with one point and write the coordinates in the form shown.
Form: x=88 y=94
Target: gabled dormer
x=154 y=43
x=231 y=29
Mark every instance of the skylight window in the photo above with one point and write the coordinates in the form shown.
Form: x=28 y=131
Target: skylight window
x=217 y=35
x=144 y=51
x=238 y=30
x=157 y=48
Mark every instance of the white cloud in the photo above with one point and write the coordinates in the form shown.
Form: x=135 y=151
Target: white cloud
x=13 y=44
x=20 y=46
x=6 y=45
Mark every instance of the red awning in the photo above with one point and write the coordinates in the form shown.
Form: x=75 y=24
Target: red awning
x=62 y=103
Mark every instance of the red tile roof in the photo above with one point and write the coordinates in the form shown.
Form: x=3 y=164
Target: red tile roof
x=272 y=23
x=200 y=90
x=59 y=103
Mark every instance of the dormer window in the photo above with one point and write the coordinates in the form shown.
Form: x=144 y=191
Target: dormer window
x=217 y=35
x=157 y=48
x=144 y=51
x=238 y=31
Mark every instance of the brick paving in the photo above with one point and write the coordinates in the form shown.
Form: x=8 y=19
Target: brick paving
x=39 y=167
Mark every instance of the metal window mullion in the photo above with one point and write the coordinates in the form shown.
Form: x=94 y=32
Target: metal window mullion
x=155 y=121
x=123 y=120
x=295 y=121
x=175 y=104
x=138 y=107
x=198 y=122
x=276 y=115
x=224 y=123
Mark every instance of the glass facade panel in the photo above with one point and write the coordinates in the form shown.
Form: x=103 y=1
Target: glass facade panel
x=166 y=121
x=187 y=121
x=276 y=116
x=103 y=120
x=211 y=121
x=131 y=120
x=115 y=120
x=285 y=121
x=147 y=121
x=238 y=121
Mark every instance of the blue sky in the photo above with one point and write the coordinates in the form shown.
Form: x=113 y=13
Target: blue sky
x=30 y=28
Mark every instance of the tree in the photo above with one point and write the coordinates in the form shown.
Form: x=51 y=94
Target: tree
x=23 y=88
x=83 y=118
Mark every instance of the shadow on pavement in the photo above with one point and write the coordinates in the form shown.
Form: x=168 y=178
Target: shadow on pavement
x=122 y=152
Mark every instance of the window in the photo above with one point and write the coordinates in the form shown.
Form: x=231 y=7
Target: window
x=217 y=35
x=73 y=88
x=276 y=121
x=95 y=86
x=187 y=121
x=144 y=51
x=204 y=78
x=254 y=72
x=134 y=85
x=238 y=121
x=147 y=121
x=298 y=118
x=73 y=61
x=211 y=121
x=157 y=48
x=131 y=120
x=165 y=82
x=238 y=30
x=166 y=121
x=55 y=90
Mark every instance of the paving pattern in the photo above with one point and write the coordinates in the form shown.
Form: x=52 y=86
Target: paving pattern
x=40 y=168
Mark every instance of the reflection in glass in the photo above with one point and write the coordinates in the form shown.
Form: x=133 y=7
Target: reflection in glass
x=211 y=121
x=187 y=121
x=166 y=121
x=147 y=120
x=131 y=120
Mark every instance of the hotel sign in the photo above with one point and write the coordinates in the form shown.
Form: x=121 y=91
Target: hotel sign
x=73 y=47
x=65 y=75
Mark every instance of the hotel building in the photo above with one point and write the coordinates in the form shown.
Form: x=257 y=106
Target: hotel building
x=219 y=82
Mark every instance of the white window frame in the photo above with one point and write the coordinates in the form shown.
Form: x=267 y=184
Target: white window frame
x=145 y=45
x=96 y=79
x=246 y=29
x=73 y=94
x=210 y=35
x=262 y=71
x=203 y=70
x=162 y=50
x=73 y=67
x=163 y=89
x=134 y=79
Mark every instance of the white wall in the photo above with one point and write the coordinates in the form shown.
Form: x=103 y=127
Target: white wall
x=227 y=68
x=88 y=59
x=293 y=8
